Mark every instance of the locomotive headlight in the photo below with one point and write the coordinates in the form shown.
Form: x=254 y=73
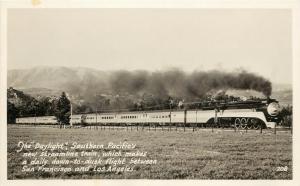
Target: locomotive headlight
x=273 y=109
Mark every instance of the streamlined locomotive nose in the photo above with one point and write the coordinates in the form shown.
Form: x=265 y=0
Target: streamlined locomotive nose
x=273 y=109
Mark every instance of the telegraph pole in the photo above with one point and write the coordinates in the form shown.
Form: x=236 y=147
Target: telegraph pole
x=170 y=116
x=96 y=114
x=71 y=110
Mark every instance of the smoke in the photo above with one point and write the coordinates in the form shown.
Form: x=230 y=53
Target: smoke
x=177 y=83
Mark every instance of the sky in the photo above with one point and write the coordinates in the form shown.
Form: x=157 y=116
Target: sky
x=257 y=40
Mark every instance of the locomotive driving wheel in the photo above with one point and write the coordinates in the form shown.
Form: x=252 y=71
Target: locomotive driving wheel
x=244 y=122
x=237 y=122
x=250 y=125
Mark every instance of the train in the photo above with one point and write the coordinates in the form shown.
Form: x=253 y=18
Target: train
x=244 y=115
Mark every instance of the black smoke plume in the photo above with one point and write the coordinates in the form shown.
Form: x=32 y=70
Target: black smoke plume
x=143 y=90
x=177 y=83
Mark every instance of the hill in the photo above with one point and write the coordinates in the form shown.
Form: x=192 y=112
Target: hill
x=49 y=80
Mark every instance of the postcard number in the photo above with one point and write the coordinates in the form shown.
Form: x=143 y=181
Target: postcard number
x=282 y=169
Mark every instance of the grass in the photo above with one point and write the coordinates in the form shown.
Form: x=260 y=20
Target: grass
x=222 y=154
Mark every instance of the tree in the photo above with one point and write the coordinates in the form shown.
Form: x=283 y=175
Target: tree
x=45 y=107
x=63 y=110
x=12 y=112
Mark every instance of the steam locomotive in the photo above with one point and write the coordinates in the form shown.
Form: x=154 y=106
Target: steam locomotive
x=251 y=114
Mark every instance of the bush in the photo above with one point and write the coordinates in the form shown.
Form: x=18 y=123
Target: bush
x=287 y=116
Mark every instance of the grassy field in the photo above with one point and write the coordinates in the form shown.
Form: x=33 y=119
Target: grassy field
x=222 y=154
